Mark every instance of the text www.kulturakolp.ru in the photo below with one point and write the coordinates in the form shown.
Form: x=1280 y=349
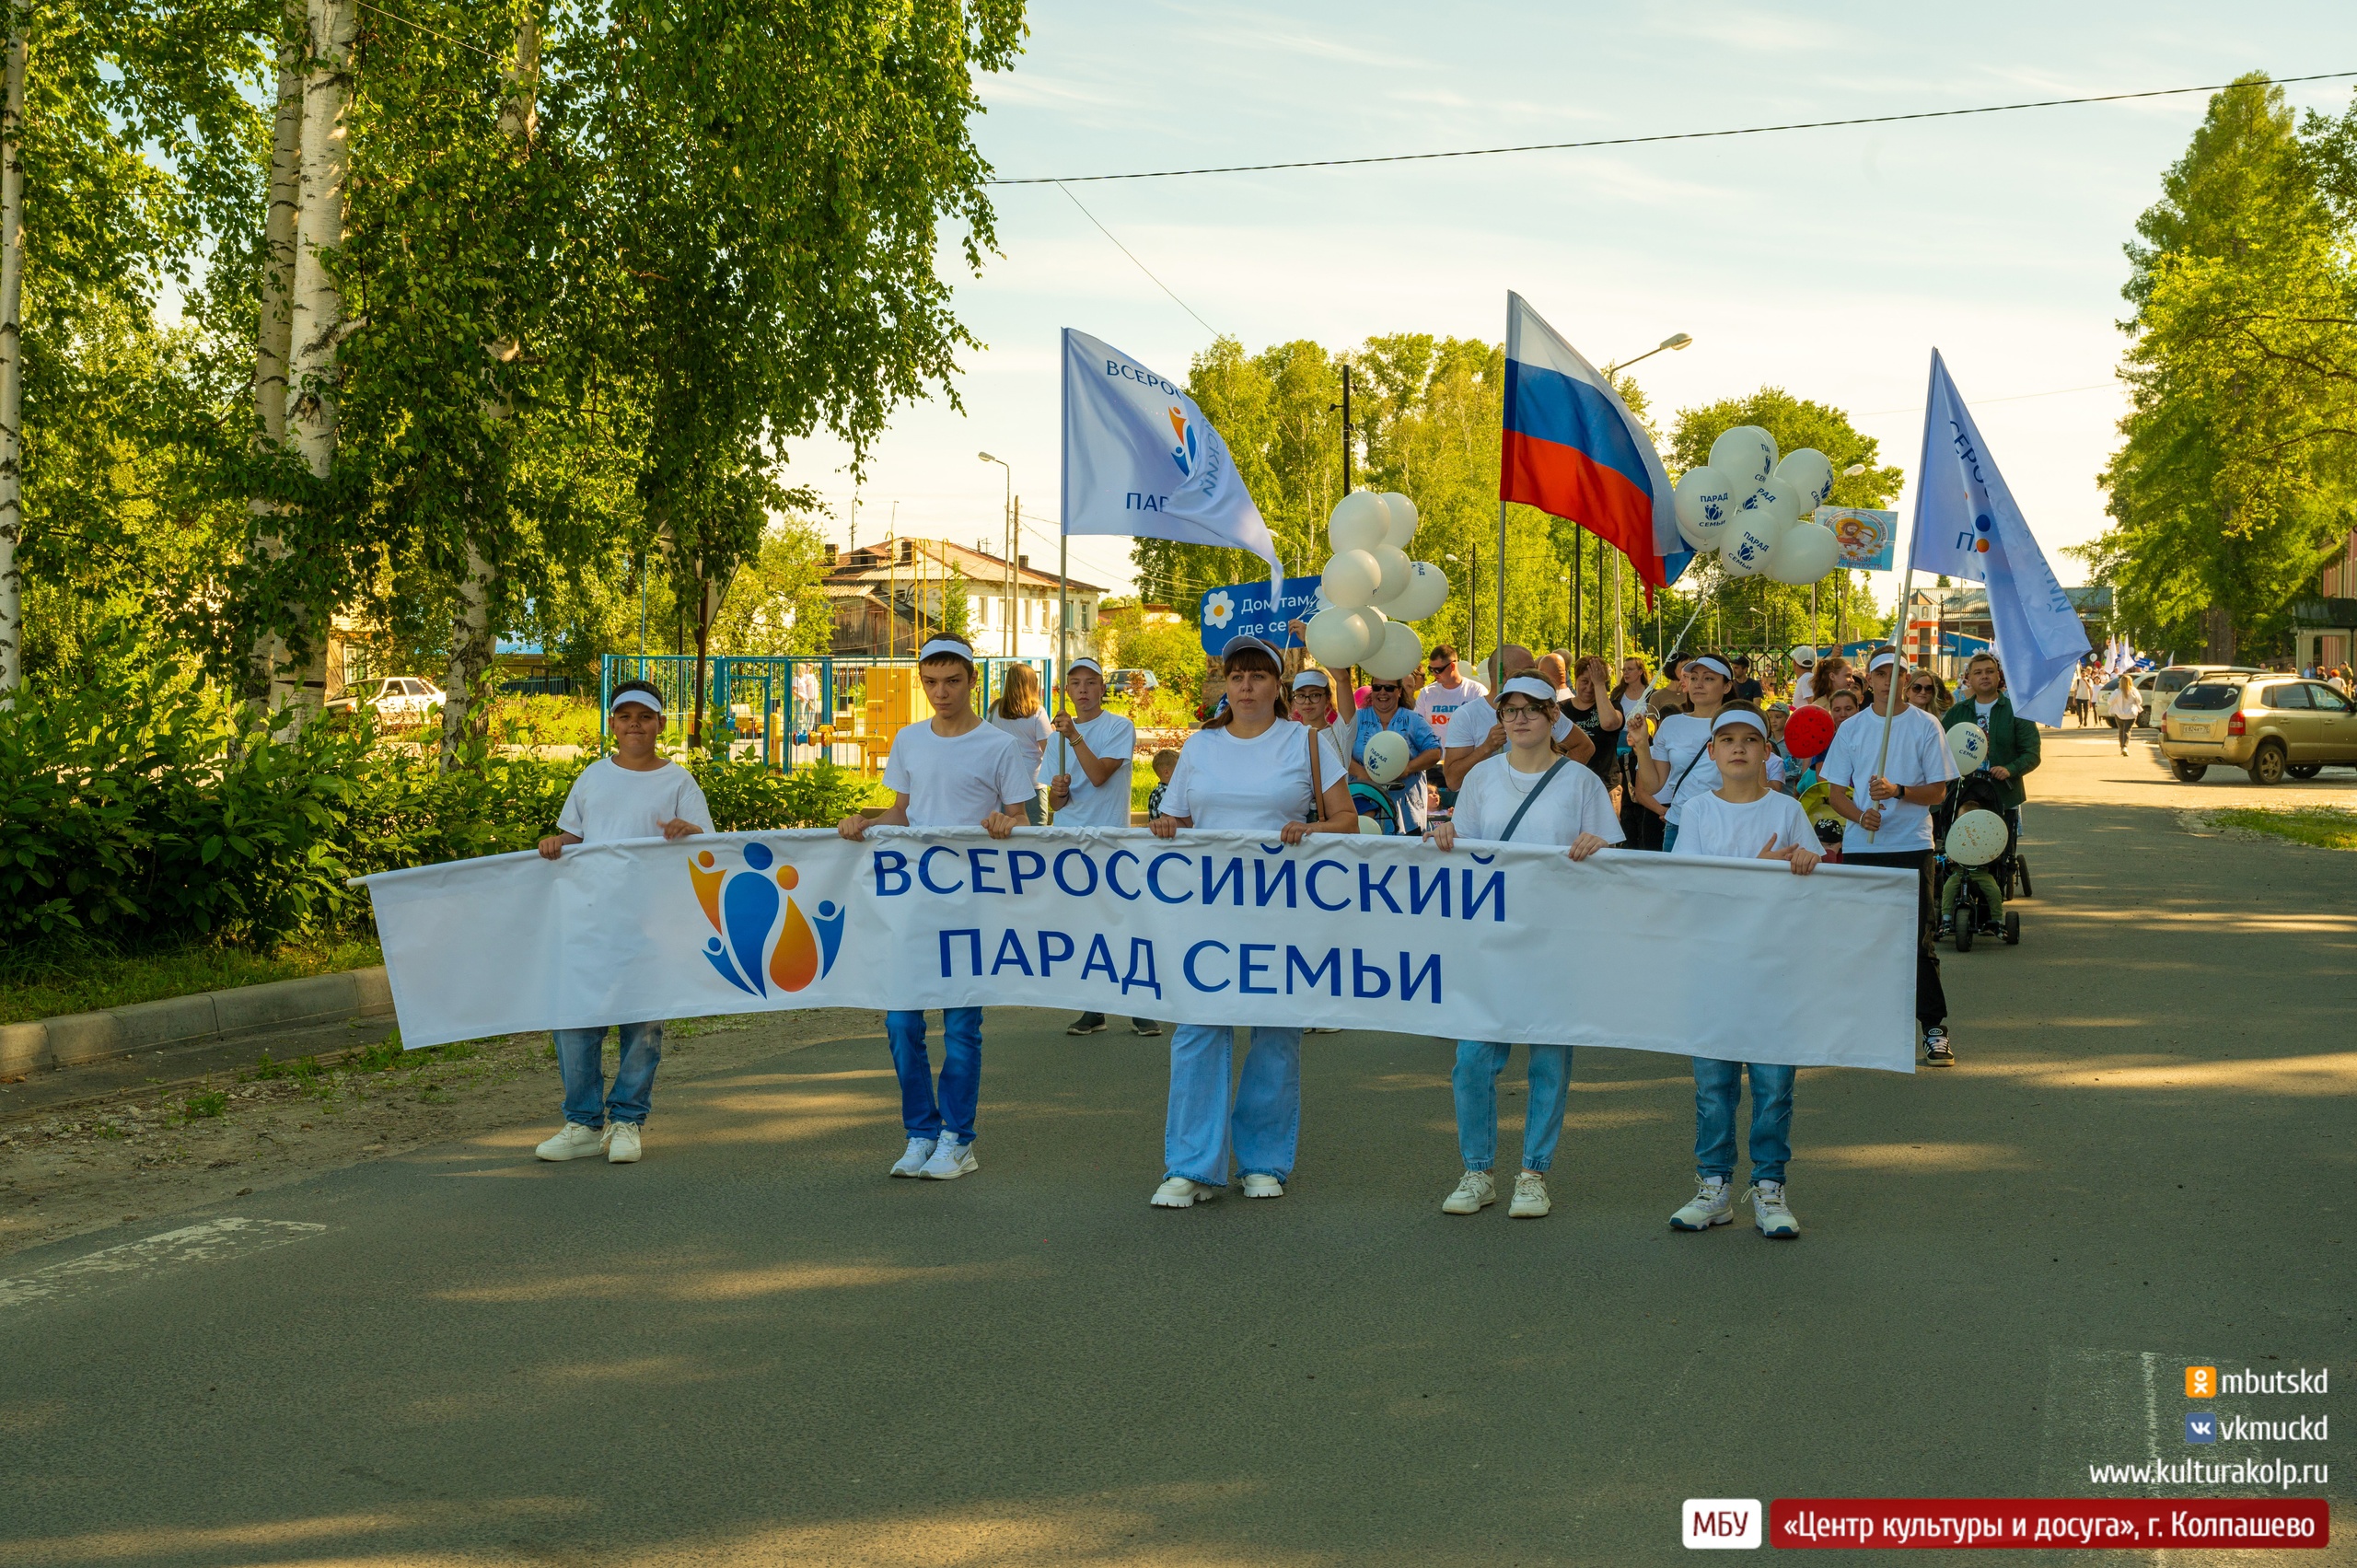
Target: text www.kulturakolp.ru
x=2284 y=1473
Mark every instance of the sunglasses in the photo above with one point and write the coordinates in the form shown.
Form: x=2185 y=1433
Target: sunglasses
x=1384 y=686
x=1922 y=686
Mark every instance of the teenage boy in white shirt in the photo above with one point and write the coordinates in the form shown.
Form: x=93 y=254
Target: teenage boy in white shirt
x=1893 y=827
x=1528 y=795
x=953 y=771
x=1743 y=819
x=1091 y=787
x=634 y=794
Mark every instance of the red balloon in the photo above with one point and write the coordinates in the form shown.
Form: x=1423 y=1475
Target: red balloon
x=1808 y=732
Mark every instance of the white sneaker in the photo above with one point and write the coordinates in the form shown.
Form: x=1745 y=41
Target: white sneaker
x=571 y=1143
x=1259 y=1185
x=913 y=1163
x=1529 y=1197
x=622 y=1143
x=951 y=1159
x=1182 y=1193
x=1713 y=1203
x=1476 y=1191
x=1769 y=1215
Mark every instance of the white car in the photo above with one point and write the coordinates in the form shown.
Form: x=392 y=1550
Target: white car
x=399 y=697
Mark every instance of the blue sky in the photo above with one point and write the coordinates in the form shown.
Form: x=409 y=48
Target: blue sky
x=1828 y=263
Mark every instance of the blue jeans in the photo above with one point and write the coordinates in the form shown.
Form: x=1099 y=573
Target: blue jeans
x=578 y=1054
x=1266 y=1121
x=1478 y=1063
x=1717 y=1087
x=961 y=1071
x=1668 y=837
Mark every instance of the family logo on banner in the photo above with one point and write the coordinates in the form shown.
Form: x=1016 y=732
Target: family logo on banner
x=1213 y=927
x=1246 y=609
x=1863 y=539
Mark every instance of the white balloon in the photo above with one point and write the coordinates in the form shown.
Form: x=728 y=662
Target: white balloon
x=1779 y=501
x=1427 y=590
x=1398 y=653
x=1746 y=552
x=1969 y=746
x=1386 y=753
x=1807 y=552
x=1371 y=825
x=1811 y=471
x=1976 y=837
x=1337 y=637
x=1746 y=455
x=1394 y=566
x=1351 y=578
x=1402 y=513
x=1360 y=521
x=1705 y=501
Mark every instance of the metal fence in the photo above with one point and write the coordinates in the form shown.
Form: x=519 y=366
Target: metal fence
x=752 y=698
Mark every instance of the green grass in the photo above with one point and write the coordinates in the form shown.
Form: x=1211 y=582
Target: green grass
x=2326 y=827
x=45 y=987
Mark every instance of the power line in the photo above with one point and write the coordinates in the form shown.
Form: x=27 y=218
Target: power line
x=1639 y=141
x=1131 y=255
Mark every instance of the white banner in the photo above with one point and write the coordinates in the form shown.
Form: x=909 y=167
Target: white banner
x=1501 y=942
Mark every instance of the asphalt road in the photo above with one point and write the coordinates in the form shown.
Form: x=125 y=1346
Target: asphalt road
x=753 y=1348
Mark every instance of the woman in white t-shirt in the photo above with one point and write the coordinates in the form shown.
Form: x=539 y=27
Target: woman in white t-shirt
x=1742 y=819
x=1247 y=769
x=1019 y=712
x=1525 y=795
x=1674 y=764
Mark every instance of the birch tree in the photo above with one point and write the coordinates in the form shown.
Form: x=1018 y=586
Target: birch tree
x=274 y=318
x=12 y=362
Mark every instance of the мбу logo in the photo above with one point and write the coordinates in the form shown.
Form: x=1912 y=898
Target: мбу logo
x=743 y=907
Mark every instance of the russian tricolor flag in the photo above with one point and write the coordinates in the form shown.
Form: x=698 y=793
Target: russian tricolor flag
x=1574 y=450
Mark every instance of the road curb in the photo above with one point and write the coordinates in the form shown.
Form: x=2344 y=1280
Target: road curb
x=73 y=1038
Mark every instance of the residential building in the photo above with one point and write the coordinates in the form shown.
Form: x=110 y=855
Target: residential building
x=888 y=598
x=2324 y=624
x=1955 y=621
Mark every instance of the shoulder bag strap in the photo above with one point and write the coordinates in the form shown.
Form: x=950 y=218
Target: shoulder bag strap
x=1317 y=789
x=1532 y=798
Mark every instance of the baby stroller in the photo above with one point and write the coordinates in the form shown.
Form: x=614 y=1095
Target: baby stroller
x=1974 y=914
x=1372 y=800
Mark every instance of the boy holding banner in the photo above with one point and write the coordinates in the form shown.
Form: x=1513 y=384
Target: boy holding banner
x=953 y=771
x=1528 y=795
x=1091 y=785
x=1742 y=819
x=634 y=794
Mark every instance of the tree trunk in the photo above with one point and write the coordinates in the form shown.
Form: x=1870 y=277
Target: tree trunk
x=317 y=329
x=473 y=642
x=12 y=358
x=273 y=337
x=2218 y=635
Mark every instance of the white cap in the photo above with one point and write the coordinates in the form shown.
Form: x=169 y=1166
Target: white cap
x=1712 y=661
x=1248 y=641
x=1744 y=716
x=1529 y=686
x=1882 y=660
x=644 y=698
x=1084 y=662
x=1311 y=677
x=946 y=647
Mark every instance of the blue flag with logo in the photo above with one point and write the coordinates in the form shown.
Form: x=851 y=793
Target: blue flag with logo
x=1967 y=526
x=1141 y=461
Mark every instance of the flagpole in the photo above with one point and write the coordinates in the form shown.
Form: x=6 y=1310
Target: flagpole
x=1497 y=674
x=1905 y=589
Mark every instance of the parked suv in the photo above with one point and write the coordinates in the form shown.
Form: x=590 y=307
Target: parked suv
x=2269 y=724
x=2162 y=686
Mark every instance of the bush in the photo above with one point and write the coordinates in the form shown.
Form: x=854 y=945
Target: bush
x=747 y=796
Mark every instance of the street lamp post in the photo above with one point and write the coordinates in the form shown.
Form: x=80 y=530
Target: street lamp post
x=1006 y=610
x=1675 y=340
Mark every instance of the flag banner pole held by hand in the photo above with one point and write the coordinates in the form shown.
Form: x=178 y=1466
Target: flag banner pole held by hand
x=1967 y=525
x=1141 y=461
x=1365 y=931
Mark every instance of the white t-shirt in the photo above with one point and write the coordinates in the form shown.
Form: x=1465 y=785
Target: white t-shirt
x=1258 y=785
x=1919 y=755
x=1031 y=733
x=1576 y=802
x=806 y=687
x=1439 y=704
x=1714 y=826
x=1105 y=804
x=1683 y=739
x=955 y=781
x=1470 y=724
x=608 y=801
x=1804 y=688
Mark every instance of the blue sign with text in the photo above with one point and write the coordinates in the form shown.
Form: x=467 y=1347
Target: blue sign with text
x=1243 y=609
